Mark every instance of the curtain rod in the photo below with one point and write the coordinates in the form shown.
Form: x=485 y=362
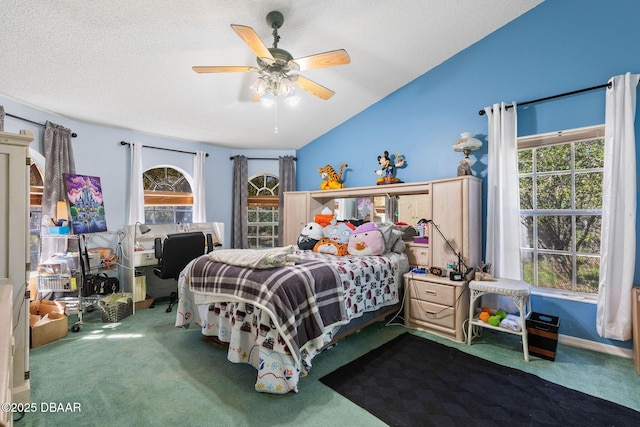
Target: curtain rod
x=607 y=85
x=260 y=158
x=162 y=148
x=73 y=134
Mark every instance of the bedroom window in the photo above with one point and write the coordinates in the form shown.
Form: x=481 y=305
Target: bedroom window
x=263 y=211
x=168 y=198
x=36 y=186
x=561 y=178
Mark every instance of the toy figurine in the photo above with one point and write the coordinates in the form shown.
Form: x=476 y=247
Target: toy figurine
x=387 y=173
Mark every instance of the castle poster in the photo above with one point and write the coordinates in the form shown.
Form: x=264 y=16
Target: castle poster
x=86 y=207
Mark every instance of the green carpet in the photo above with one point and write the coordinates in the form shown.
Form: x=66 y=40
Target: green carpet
x=143 y=371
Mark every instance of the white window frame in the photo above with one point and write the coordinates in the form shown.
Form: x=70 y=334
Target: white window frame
x=163 y=198
x=557 y=138
x=253 y=208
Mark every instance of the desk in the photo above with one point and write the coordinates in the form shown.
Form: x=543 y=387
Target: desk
x=517 y=291
x=143 y=260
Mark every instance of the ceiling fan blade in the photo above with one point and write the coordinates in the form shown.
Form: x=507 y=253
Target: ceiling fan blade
x=321 y=60
x=223 y=69
x=250 y=37
x=312 y=87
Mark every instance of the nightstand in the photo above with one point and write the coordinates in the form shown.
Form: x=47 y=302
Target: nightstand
x=436 y=304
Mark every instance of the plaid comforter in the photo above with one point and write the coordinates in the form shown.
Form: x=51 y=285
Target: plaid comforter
x=303 y=300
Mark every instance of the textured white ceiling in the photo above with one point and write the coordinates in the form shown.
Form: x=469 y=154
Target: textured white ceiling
x=127 y=63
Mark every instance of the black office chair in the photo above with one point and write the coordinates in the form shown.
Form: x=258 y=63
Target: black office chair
x=173 y=256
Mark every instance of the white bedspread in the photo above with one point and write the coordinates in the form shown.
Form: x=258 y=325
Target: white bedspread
x=256 y=258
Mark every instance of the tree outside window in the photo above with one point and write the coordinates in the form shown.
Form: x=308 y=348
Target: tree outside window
x=561 y=213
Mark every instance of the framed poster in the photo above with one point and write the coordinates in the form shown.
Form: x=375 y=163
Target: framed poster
x=86 y=205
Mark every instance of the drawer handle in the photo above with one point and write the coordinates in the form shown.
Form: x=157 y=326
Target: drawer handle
x=429 y=292
x=431 y=313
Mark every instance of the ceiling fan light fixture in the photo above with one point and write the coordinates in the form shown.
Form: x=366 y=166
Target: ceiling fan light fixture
x=275 y=64
x=285 y=87
x=260 y=86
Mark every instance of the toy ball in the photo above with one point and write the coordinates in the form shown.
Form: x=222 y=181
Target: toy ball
x=494 y=320
x=484 y=316
x=502 y=314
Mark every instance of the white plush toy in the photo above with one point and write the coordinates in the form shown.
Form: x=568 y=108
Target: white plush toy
x=310 y=235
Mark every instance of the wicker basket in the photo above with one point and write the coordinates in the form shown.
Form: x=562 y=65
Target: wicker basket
x=116 y=307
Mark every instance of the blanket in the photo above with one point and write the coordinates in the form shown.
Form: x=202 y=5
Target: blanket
x=256 y=258
x=306 y=298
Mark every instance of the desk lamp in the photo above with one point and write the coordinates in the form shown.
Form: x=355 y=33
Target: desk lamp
x=144 y=229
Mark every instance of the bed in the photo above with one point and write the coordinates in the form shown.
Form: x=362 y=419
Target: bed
x=278 y=319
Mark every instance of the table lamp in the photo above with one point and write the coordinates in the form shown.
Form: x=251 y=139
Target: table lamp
x=144 y=229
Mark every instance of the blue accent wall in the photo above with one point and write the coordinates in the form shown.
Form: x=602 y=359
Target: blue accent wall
x=559 y=46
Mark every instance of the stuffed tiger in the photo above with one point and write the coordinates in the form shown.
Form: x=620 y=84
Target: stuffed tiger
x=330 y=179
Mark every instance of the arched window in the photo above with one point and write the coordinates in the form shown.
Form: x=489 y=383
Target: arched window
x=36 y=186
x=168 y=198
x=263 y=211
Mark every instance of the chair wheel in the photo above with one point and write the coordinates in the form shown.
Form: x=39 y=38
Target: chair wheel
x=75 y=328
x=168 y=310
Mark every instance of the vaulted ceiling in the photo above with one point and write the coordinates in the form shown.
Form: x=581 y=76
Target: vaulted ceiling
x=127 y=64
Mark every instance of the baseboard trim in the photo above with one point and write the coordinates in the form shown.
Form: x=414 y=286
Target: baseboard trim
x=22 y=393
x=595 y=346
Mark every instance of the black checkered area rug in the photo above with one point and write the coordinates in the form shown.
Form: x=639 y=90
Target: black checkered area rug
x=410 y=381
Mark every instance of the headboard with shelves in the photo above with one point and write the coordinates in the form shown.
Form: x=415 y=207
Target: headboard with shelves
x=301 y=206
x=453 y=203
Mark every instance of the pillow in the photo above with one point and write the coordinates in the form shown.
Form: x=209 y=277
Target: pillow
x=366 y=240
x=328 y=246
x=390 y=234
x=338 y=232
x=309 y=236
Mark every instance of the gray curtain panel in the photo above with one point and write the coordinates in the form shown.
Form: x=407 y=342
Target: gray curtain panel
x=287 y=176
x=239 y=208
x=1 y=118
x=58 y=156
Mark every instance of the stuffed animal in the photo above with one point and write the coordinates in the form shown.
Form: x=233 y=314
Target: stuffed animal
x=310 y=235
x=328 y=246
x=366 y=240
x=331 y=179
x=338 y=232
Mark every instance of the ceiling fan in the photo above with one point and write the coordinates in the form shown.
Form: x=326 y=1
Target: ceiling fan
x=277 y=68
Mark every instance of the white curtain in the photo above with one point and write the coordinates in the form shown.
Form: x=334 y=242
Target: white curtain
x=136 y=188
x=503 y=198
x=199 y=202
x=618 y=240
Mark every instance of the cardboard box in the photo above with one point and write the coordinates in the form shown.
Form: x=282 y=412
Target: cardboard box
x=54 y=327
x=140 y=305
x=542 y=334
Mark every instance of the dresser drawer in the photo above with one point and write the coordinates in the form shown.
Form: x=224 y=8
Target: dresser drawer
x=430 y=292
x=435 y=314
x=418 y=255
